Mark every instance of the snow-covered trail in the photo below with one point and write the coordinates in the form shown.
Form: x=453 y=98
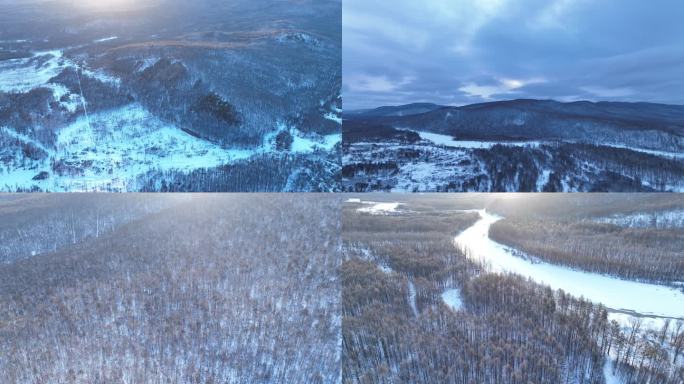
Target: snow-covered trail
x=412 y=298
x=621 y=296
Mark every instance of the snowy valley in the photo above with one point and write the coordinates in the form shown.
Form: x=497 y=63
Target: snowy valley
x=432 y=297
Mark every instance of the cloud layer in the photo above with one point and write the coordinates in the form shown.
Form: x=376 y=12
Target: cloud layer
x=464 y=51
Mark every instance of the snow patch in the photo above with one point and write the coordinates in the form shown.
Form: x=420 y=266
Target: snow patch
x=452 y=298
x=449 y=141
x=334 y=117
x=106 y=39
x=611 y=378
x=102 y=76
x=543 y=179
x=23 y=138
x=412 y=298
x=23 y=75
x=666 y=154
x=663 y=219
x=303 y=142
x=26 y=74
x=380 y=208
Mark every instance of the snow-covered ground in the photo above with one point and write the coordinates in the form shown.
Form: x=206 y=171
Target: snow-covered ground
x=425 y=166
x=671 y=155
x=412 y=298
x=452 y=298
x=662 y=219
x=376 y=208
x=449 y=141
x=23 y=75
x=110 y=149
x=622 y=296
x=435 y=168
x=105 y=39
x=334 y=117
x=611 y=378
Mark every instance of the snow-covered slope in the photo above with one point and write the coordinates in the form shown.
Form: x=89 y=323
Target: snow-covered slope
x=108 y=150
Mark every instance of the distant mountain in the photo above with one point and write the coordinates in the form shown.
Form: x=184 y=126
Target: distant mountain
x=643 y=125
x=396 y=111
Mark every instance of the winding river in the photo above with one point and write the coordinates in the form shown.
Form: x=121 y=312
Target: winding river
x=620 y=296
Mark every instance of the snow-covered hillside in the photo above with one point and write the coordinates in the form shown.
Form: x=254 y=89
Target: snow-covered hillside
x=440 y=163
x=109 y=150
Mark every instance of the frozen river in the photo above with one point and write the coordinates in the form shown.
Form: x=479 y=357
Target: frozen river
x=614 y=293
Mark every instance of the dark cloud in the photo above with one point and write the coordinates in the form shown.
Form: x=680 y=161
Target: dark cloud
x=463 y=51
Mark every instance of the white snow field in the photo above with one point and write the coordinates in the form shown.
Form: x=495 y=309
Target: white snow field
x=380 y=208
x=452 y=298
x=620 y=296
x=611 y=378
x=666 y=154
x=663 y=219
x=23 y=75
x=448 y=141
x=110 y=149
x=412 y=298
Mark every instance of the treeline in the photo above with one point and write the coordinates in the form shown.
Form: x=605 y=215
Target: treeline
x=385 y=161
x=511 y=332
x=656 y=172
x=649 y=254
x=614 y=169
x=34 y=224
x=516 y=169
x=221 y=289
x=317 y=172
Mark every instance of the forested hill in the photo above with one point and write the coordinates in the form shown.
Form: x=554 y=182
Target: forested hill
x=643 y=125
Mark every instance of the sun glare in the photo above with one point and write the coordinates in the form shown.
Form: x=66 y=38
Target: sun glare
x=507 y=196
x=108 y=4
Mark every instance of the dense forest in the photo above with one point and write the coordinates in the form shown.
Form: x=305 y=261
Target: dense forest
x=283 y=172
x=634 y=253
x=289 y=288
x=213 y=289
x=31 y=224
x=417 y=310
x=645 y=242
x=384 y=160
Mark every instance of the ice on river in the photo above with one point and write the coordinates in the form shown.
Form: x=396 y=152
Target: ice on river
x=612 y=292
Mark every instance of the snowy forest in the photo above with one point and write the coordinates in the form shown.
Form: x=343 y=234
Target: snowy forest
x=172 y=289
x=317 y=288
x=419 y=308
x=170 y=95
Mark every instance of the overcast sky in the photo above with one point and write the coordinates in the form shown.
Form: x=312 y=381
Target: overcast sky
x=467 y=51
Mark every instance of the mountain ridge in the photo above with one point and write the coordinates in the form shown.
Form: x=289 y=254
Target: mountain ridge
x=644 y=125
